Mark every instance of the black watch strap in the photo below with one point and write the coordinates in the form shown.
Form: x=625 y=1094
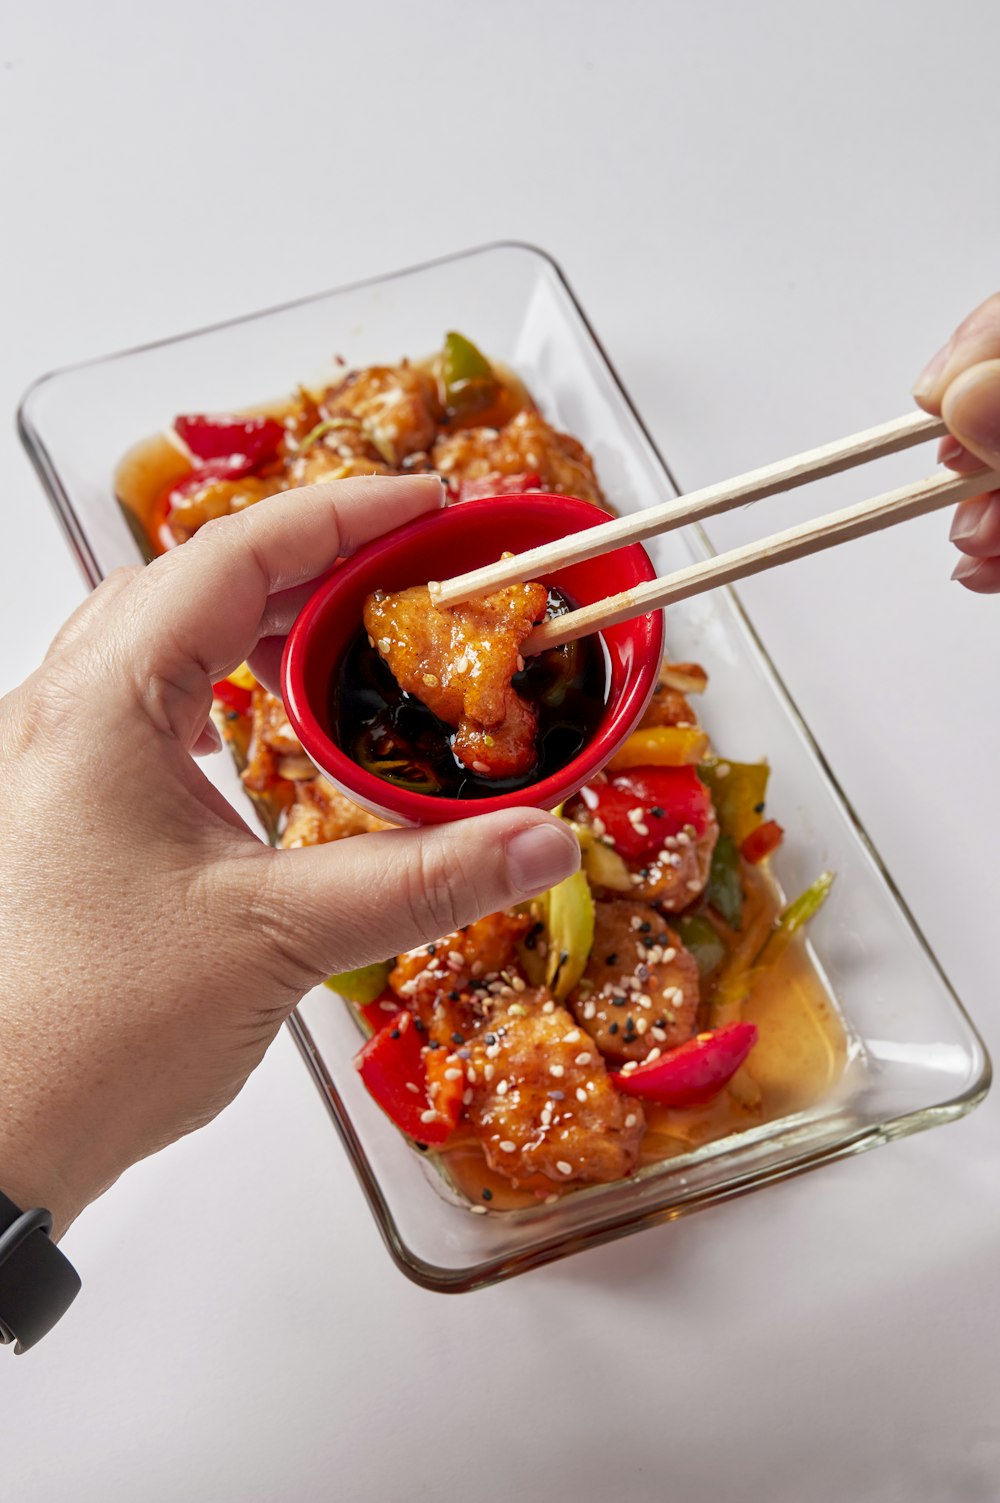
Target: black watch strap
x=38 y=1283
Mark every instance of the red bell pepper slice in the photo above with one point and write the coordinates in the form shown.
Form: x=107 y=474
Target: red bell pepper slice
x=493 y=484
x=221 y=436
x=762 y=841
x=668 y=798
x=390 y=1063
x=694 y=1072
x=232 y=696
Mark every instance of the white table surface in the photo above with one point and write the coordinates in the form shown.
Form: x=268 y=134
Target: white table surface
x=773 y=213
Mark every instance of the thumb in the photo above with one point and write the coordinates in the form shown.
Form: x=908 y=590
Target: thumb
x=971 y=409
x=370 y=897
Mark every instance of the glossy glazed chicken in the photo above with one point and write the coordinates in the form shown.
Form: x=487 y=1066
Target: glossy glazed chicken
x=460 y=660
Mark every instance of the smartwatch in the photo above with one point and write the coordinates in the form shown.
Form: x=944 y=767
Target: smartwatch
x=38 y=1283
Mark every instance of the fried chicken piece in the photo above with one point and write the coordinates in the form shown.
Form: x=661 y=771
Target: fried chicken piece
x=640 y=989
x=669 y=705
x=678 y=874
x=218 y=498
x=342 y=452
x=542 y=1102
x=396 y=405
x=271 y=741
x=459 y=661
x=471 y=957
x=527 y=445
x=320 y=813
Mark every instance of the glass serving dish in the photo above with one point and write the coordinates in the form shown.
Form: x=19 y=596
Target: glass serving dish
x=914 y=1058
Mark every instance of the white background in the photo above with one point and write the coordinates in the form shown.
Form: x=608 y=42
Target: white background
x=773 y=213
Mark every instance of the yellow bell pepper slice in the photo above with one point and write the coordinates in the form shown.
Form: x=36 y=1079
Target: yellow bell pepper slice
x=661 y=746
x=242 y=677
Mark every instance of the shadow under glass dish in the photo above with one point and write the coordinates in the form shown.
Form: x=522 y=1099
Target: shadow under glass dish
x=914 y=1059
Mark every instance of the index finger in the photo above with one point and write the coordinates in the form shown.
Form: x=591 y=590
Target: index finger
x=197 y=612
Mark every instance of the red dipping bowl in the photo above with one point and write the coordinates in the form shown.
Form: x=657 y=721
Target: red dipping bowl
x=438 y=546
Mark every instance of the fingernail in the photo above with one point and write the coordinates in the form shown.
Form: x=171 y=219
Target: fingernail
x=925 y=383
x=539 y=857
x=972 y=410
x=950 y=450
x=965 y=568
x=965 y=522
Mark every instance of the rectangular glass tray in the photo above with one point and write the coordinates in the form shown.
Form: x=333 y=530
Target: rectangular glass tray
x=915 y=1058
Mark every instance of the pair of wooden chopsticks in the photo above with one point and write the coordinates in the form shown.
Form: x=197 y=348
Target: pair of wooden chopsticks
x=940 y=489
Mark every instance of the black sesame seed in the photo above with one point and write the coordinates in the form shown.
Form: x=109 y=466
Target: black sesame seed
x=659 y=1022
x=612 y=1027
x=487 y=1194
x=454 y=996
x=394 y=1034
x=618 y=1001
x=645 y=927
x=663 y=939
x=432 y=949
x=532 y=937
x=457 y=1038
x=418 y=1025
x=657 y=812
x=433 y=1044
x=611 y=959
x=422 y=1147
x=758 y=808
x=232 y=714
x=490 y=1038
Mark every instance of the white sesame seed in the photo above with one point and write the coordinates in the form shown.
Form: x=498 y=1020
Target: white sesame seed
x=589 y=1009
x=466 y=1098
x=573 y=1037
x=520 y=663
x=583 y=1059
x=518 y=1010
x=653 y=1054
x=563 y=1167
x=384 y=644
x=551 y=1007
x=407 y=989
x=503 y=1087
x=489 y=1071
x=722 y=770
x=388 y=1007
x=470 y=1075
x=478 y=1210
x=452 y=1074
x=581 y=1094
x=480 y=767
x=641 y=1025
x=431 y=680
x=635 y=922
x=556 y=1070
x=550 y=1200
x=631 y=1119
x=456 y=957
x=629 y=1066
x=461 y=664
x=693 y=886
x=507 y=1146
x=659 y=1035
x=639 y=827
x=411 y=1087
x=682 y=838
x=669 y=955
x=492 y=1051
x=428 y=1116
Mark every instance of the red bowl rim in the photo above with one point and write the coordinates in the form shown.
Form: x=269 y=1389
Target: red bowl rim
x=400 y=804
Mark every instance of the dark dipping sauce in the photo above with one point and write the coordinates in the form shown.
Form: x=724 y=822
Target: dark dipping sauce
x=395 y=736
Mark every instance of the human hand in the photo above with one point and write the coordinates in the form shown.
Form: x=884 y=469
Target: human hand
x=150 y=945
x=962 y=385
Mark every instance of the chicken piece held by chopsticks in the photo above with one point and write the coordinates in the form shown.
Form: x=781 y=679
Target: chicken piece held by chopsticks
x=460 y=660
